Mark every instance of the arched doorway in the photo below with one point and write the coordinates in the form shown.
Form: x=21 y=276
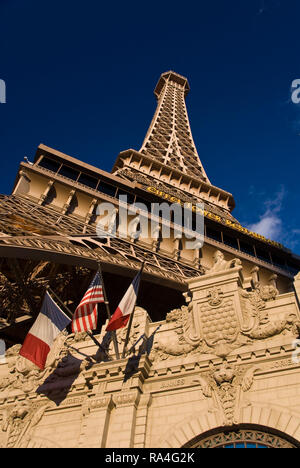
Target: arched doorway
x=243 y=436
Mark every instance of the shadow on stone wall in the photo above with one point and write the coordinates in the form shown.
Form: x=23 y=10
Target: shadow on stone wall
x=58 y=384
x=134 y=361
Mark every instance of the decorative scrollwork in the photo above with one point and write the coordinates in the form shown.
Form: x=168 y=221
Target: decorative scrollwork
x=223 y=384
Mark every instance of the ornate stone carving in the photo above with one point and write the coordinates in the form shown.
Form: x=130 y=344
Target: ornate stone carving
x=243 y=438
x=26 y=376
x=222 y=320
x=102 y=402
x=219 y=332
x=221 y=264
x=216 y=297
x=19 y=421
x=125 y=399
x=219 y=323
x=257 y=324
x=77 y=338
x=224 y=385
x=134 y=336
x=185 y=340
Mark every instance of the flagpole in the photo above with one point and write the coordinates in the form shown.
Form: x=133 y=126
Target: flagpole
x=114 y=334
x=131 y=316
x=62 y=304
x=70 y=314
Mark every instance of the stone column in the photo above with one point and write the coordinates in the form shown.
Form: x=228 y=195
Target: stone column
x=96 y=422
x=141 y=421
x=67 y=205
x=122 y=427
x=23 y=185
x=46 y=192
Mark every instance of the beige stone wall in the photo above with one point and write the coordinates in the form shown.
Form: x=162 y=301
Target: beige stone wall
x=224 y=359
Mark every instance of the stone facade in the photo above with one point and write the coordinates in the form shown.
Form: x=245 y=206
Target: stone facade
x=222 y=362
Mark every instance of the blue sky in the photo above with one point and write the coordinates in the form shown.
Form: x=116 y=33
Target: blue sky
x=80 y=78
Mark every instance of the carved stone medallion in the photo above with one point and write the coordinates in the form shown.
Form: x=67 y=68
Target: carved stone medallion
x=219 y=321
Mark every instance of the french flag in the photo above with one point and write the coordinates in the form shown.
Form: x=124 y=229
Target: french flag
x=124 y=310
x=49 y=323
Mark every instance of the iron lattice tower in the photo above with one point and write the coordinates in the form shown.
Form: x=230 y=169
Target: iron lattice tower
x=169 y=138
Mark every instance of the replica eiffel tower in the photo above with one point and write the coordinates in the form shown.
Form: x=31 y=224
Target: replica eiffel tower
x=212 y=359
x=48 y=223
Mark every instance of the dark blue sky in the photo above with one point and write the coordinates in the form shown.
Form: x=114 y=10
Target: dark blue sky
x=80 y=78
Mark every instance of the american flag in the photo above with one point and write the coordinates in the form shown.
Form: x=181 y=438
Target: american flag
x=85 y=316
